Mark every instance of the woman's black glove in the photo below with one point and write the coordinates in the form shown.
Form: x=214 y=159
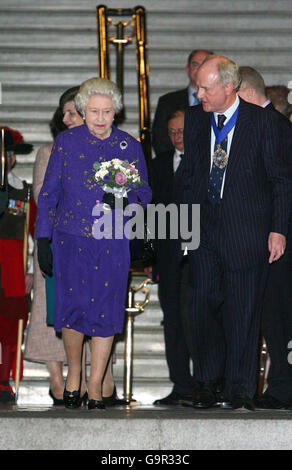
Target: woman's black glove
x=45 y=256
x=110 y=199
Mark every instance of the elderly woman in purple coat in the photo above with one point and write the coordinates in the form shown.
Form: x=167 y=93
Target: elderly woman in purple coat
x=91 y=274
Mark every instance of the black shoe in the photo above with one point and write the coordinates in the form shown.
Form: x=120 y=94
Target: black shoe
x=84 y=399
x=205 y=397
x=72 y=400
x=6 y=393
x=224 y=404
x=95 y=405
x=243 y=402
x=174 y=399
x=268 y=402
x=221 y=401
x=56 y=401
x=113 y=400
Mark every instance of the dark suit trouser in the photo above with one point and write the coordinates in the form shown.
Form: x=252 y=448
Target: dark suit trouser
x=277 y=326
x=172 y=291
x=224 y=318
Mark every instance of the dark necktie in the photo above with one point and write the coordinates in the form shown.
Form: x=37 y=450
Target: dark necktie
x=181 y=155
x=216 y=175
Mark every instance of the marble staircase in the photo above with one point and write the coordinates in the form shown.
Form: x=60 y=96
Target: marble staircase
x=47 y=47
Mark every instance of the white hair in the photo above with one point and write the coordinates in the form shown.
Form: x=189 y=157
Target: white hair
x=98 y=86
x=228 y=70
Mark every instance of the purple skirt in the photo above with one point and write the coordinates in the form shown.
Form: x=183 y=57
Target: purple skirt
x=91 y=280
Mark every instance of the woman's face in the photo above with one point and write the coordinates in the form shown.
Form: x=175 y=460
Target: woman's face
x=70 y=116
x=99 y=115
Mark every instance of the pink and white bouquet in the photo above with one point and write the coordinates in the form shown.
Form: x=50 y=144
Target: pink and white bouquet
x=117 y=176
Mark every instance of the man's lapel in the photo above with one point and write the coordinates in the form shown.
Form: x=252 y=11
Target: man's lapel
x=240 y=142
x=204 y=141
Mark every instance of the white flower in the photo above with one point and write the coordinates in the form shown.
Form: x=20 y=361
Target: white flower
x=116 y=161
x=101 y=173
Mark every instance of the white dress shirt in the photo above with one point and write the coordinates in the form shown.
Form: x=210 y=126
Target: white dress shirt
x=266 y=104
x=228 y=113
x=176 y=159
x=14 y=180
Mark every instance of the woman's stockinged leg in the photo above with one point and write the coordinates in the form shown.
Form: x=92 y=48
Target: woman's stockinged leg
x=55 y=369
x=100 y=352
x=108 y=380
x=73 y=342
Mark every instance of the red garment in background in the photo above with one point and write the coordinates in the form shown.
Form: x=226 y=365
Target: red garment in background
x=13 y=299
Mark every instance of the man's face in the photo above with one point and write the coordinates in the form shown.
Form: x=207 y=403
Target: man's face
x=175 y=132
x=212 y=93
x=196 y=60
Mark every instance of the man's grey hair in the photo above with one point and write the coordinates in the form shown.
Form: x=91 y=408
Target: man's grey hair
x=98 y=86
x=251 y=78
x=228 y=70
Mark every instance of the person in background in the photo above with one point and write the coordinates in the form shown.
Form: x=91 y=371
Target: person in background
x=91 y=275
x=172 y=269
x=179 y=99
x=277 y=309
x=278 y=95
x=16 y=276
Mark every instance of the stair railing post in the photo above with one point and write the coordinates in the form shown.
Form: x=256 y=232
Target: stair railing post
x=132 y=310
x=103 y=43
x=143 y=81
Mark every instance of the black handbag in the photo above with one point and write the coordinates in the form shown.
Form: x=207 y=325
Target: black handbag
x=143 y=249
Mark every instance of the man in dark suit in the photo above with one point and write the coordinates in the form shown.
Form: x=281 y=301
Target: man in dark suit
x=277 y=311
x=172 y=269
x=233 y=169
x=179 y=99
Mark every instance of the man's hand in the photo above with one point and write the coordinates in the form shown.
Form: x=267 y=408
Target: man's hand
x=276 y=245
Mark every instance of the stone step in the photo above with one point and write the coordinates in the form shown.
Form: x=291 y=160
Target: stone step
x=44 y=112
x=145 y=344
x=27 y=56
x=145 y=366
x=161 y=432
x=63 y=74
x=169 y=5
x=145 y=391
x=211 y=38
x=36 y=19
x=40 y=133
x=150 y=5
x=32 y=92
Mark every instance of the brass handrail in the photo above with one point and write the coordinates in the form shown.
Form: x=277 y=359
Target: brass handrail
x=137 y=22
x=2 y=182
x=133 y=309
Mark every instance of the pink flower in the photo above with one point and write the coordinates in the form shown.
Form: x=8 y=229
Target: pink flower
x=120 y=178
x=133 y=169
